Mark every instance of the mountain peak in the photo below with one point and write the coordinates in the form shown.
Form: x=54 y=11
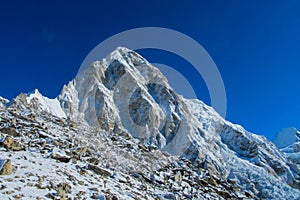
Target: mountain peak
x=123 y=54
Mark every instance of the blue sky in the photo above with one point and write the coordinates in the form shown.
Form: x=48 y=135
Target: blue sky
x=256 y=46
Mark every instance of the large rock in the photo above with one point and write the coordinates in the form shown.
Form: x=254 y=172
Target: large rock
x=60 y=155
x=100 y=171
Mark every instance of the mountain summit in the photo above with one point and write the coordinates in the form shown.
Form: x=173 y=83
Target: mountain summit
x=124 y=94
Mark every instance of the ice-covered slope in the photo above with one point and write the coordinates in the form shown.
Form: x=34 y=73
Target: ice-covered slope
x=125 y=93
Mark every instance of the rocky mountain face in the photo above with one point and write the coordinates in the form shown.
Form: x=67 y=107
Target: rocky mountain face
x=139 y=136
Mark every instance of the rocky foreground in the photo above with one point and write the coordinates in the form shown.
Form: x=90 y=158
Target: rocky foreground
x=45 y=157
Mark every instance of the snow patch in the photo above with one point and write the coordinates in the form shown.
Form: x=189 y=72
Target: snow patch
x=49 y=105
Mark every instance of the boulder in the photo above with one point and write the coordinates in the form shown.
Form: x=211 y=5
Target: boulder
x=61 y=157
x=99 y=170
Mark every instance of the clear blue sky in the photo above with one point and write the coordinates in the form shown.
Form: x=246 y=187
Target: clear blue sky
x=256 y=46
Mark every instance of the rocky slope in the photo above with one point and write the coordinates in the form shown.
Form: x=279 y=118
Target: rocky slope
x=135 y=125
x=47 y=157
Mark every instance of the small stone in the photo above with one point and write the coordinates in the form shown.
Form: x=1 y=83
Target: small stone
x=73 y=125
x=9 y=192
x=30 y=174
x=81 y=182
x=80 y=194
x=2 y=187
x=30 y=184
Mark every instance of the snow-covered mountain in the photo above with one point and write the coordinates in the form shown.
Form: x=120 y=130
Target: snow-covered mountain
x=124 y=94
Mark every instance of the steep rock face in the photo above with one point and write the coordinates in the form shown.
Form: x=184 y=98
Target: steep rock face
x=125 y=93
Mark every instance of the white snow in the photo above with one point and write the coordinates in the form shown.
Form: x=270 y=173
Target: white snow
x=49 y=105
